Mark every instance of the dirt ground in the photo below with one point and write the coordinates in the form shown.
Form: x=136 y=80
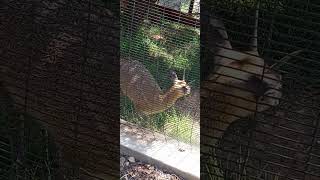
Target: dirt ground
x=132 y=169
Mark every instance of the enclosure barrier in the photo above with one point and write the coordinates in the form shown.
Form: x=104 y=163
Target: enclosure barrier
x=160 y=63
x=259 y=98
x=158 y=40
x=58 y=62
x=259 y=109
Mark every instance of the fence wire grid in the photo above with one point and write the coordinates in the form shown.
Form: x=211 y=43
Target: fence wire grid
x=158 y=37
x=59 y=95
x=260 y=116
x=259 y=108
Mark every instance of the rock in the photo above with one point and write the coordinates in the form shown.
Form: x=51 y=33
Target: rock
x=131 y=159
x=122 y=160
x=126 y=163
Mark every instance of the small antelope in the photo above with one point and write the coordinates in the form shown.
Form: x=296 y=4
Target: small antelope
x=137 y=83
x=240 y=84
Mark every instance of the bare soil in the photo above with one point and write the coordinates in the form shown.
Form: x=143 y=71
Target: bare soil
x=137 y=170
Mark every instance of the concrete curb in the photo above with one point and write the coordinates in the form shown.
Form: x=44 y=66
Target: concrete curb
x=166 y=153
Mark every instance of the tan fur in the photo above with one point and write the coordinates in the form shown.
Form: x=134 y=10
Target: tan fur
x=137 y=83
x=230 y=100
x=225 y=96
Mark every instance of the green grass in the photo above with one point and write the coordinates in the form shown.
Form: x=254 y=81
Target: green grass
x=171 y=122
x=185 y=6
x=178 y=50
x=180 y=126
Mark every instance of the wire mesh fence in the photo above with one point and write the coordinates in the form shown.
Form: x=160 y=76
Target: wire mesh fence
x=59 y=95
x=259 y=98
x=160 y=51
x=259 y=89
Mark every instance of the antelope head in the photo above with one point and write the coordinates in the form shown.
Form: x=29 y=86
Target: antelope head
x=242 y=80
x=179 y=87
x=246 y=68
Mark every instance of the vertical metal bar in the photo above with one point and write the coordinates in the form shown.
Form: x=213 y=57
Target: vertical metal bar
x=23 y=131
x=79 y=107
x=191 y=6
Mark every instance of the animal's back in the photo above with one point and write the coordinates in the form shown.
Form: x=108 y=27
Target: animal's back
x=137 y=82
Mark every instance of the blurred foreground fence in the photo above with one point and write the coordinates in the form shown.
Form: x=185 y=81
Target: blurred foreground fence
x=264 y=120
x=59 y=90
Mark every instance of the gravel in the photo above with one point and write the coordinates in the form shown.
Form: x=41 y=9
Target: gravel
x=131 y=168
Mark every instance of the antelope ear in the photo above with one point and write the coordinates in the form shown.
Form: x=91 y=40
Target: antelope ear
x=219 y=34
x=173 y=75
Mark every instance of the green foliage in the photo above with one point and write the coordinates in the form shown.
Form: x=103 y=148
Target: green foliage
x=178 y=48
x=180 y=126
x=185 y=6
x=172 y=123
